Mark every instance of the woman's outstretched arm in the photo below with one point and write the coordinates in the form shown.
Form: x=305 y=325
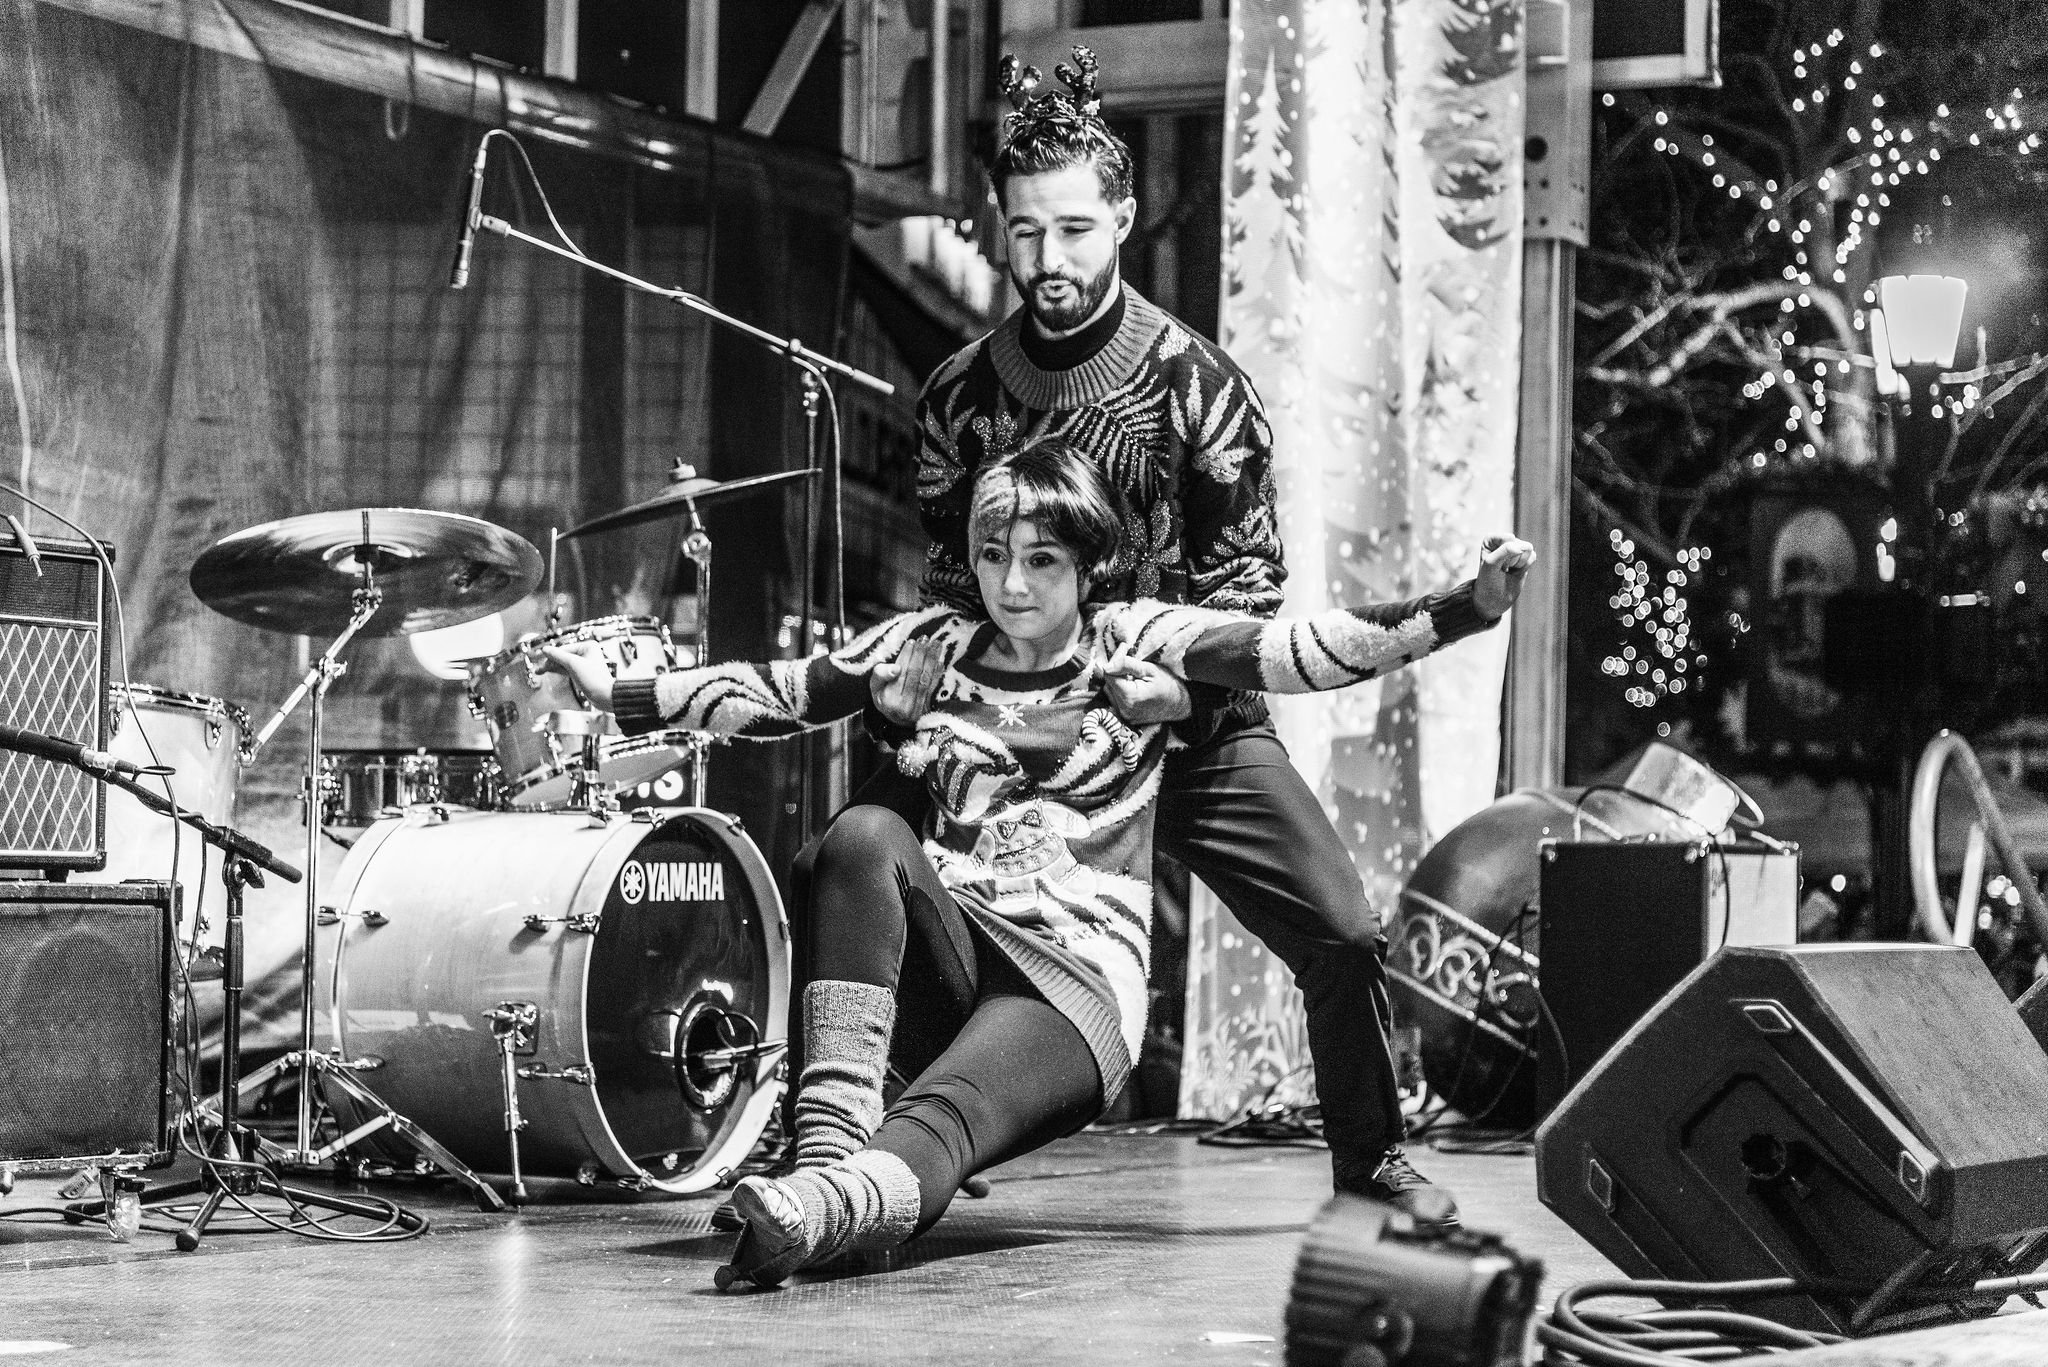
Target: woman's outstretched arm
x=755 y=701
x=1329 y=650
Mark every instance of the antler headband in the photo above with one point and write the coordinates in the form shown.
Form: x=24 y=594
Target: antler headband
x=1079 y=107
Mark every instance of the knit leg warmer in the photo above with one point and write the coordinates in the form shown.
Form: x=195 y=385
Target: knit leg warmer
x=868 y=1201
x=846 y=1048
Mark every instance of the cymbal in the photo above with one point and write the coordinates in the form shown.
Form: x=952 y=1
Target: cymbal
x=434 y=570
x=677 y=499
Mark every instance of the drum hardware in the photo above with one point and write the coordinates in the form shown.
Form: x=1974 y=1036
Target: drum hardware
x=587 y=789
x=581 y=1074
x=587 y=925
x=513 y=1025
x=385 y=571
x=708 y=1044
x=334 y=916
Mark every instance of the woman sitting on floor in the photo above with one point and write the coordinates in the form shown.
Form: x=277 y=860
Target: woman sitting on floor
x=1025 y=910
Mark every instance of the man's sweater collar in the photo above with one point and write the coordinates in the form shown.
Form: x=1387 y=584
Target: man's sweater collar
x=1088 y=382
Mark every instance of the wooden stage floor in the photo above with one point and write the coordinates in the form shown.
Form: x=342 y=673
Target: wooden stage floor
x=1104 y=1248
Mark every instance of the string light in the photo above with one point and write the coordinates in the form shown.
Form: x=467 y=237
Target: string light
x=1660 y=654
x=1658 y=616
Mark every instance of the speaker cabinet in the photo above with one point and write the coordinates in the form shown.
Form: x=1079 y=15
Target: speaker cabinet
x=1624 y=922
x=1876 y=1114
x=85 y=1041
x=53 y=679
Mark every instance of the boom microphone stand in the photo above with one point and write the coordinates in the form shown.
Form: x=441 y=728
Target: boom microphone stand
x=230 y=1169
x=814 y=366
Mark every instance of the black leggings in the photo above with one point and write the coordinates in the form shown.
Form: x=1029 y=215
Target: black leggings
x=998 y=1071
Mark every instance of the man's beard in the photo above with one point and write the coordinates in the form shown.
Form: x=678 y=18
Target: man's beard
x=1087 y=296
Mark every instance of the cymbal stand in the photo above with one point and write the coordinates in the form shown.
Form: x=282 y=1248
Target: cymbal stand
x=697 y=550
x=311 y=1064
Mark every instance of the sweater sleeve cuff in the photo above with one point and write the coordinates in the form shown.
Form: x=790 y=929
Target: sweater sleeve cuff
x=1455 y=616
x=634 y=703
x=882 y=731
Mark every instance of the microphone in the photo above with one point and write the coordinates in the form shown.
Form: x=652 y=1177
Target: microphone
x=459 y=276
x=71 y=752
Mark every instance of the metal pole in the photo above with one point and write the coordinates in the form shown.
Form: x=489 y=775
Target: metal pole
x=1556 y=167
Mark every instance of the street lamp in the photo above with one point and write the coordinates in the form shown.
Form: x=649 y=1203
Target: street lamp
x=1923 y=316
x=1913 y=338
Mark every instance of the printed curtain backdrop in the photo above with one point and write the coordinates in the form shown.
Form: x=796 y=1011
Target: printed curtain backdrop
x=1372 y=290
x=226 y=301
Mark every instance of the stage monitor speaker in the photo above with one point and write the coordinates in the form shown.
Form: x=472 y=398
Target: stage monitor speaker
x=85 y=1042
x=53 y=679
x=2033 y=1008
x=1623 y=922
x=1872 y=1114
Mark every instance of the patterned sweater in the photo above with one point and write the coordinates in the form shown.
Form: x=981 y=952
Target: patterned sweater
x=1042 y=797
x=1170 y=421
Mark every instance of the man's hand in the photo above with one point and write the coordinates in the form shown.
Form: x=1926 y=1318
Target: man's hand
x=903 y=688
x=1143 y=693
x=588 y=667
x=1504 y=563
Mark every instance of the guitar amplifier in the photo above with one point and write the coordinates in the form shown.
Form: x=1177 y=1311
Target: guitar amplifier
x=53 y=679
x=85 y=1024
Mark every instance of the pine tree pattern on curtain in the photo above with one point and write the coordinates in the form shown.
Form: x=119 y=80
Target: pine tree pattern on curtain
x=1372 y=279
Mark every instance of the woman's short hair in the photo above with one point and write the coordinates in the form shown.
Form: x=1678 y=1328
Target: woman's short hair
x=1049 y=481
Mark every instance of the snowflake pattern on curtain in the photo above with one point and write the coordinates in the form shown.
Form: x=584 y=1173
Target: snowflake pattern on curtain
x=1372 y=277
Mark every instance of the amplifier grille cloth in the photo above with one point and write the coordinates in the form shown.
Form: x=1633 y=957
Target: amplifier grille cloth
x=81 y=1029
x=49 y=682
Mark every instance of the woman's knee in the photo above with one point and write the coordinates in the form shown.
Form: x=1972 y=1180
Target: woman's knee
x=864 y=836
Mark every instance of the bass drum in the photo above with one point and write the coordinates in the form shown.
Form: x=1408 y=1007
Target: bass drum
x=653 y=947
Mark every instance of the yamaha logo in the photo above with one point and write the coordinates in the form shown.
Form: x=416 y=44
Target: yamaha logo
x=672 y=881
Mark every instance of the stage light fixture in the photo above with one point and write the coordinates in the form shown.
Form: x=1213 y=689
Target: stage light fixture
x=1372 y=1291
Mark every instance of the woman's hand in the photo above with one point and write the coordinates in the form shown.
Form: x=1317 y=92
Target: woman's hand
x=587 y=666
x=903 y=687
x=1144 y=693
x=1504 y=563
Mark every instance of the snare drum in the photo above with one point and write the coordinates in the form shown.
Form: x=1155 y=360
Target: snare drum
x=206 y=740
x=357 y=787
x=514 y=691
x=655 y=952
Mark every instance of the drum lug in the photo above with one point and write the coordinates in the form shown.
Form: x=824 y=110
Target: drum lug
x=734 y=825
x=331 y=916
x=585 y=924
x=582 y=1074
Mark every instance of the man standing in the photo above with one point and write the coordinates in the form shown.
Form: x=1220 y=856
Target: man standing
x=1177 y=429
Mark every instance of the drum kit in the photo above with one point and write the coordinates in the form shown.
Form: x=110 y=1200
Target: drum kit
x=507 y=973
